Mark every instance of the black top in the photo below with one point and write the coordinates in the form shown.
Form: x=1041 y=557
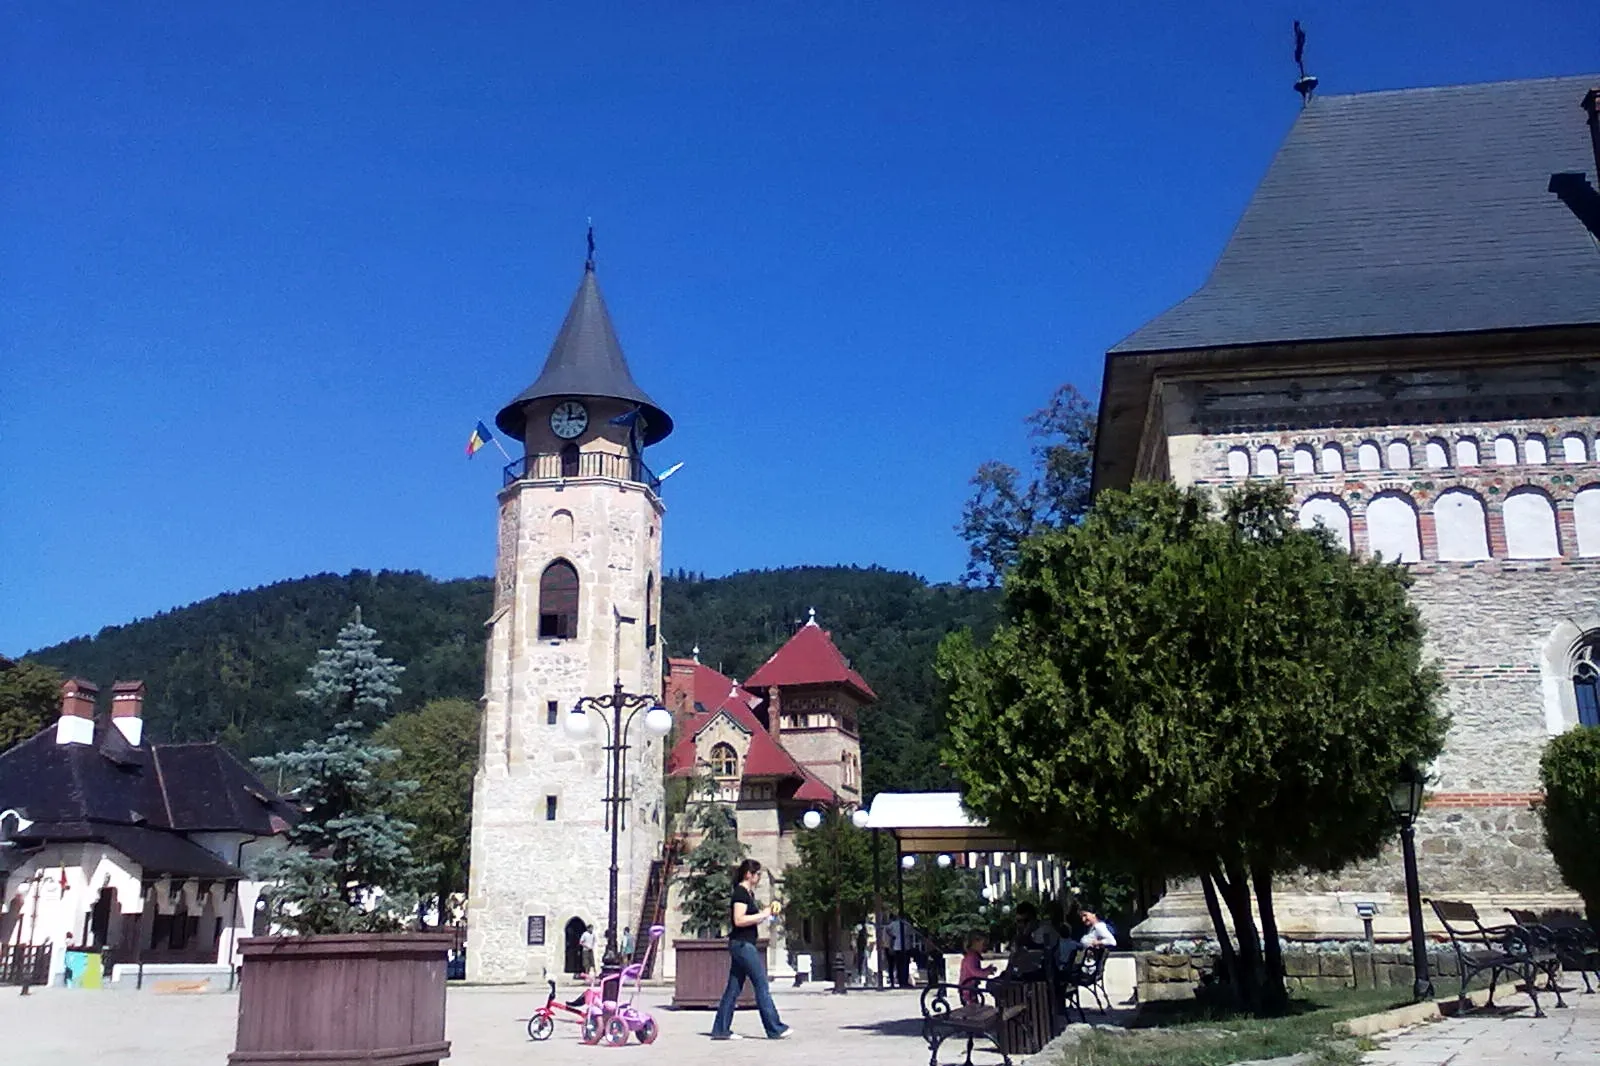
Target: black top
x=743 y=932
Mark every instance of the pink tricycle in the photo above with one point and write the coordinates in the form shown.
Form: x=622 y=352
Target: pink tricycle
x=612 y=1020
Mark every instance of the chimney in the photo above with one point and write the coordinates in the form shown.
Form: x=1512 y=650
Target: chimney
x=127 y=710
x=1591 y=104
x=76 y=724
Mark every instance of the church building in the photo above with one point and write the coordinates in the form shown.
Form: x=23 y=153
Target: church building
x=1405 y=328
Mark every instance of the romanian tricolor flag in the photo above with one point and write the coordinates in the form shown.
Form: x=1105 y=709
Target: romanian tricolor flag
x=480 y=437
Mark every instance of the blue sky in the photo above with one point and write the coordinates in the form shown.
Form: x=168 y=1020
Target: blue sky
x=265 y=265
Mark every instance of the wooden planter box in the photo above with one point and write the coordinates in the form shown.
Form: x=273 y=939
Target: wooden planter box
x=702 y=973
x=368 y=999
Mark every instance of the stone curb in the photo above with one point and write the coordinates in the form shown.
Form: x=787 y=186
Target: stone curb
x=1403 y=1017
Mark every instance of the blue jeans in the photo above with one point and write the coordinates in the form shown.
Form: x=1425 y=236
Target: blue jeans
x=744 y=961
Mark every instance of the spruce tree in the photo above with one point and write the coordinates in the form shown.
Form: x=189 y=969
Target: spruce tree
x=707 y=878
x=349 y=867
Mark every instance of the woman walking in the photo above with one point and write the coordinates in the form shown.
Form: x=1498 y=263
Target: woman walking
x=744 y=961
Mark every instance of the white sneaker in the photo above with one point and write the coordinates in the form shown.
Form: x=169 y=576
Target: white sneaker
x=730 y=1036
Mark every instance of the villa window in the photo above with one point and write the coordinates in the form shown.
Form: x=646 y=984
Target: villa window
x=724 y=761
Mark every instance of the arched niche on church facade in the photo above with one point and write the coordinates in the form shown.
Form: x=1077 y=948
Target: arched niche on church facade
x=1330 y=513
x=1368 y=456
x=1392 y=529
x=1574 y=449
x=1238 y=462
x=1436 y=454
x=1267 y=461
x=1461 y=526
x=1332 y=458
x=1535 y=451
x=1397 y=456
x=1530 y=521
x=1305 y=459
x=1505 y=450
x=1467 y=452
x=1586 y=519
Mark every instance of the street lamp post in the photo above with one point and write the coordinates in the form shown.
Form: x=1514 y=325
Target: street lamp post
x=1405 y=800
x=812 y=819
x=657 y=721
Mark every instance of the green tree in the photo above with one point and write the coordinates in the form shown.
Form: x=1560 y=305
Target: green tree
x=30 y=695
x=438 y=747
x=1179 y=691
x=1570 y=772
x=945 y=902
x=1004 y=509
x=350 y=867
x=834 y=866
x=707 y=876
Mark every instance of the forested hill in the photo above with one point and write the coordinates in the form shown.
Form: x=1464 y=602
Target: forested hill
x=228 y=668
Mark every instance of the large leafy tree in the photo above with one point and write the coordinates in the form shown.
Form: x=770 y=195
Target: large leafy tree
x=1570 y=772
x=1183 y=689
x=1007 y=507
x=707 y=875
x=834 y=867
x=30 y=695
x=350 y=866
x=438 y=746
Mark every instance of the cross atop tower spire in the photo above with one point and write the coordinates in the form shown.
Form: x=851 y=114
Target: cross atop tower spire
x=588 y=264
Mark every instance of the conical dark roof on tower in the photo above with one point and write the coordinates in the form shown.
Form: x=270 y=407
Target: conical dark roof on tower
x=586 y=360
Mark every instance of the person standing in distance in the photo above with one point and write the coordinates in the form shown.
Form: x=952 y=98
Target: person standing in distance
x=744 y=961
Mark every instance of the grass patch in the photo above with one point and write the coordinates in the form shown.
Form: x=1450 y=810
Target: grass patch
x=1196 y=1034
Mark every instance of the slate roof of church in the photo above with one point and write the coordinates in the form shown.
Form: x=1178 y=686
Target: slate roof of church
x=141 y=800
x=810 y=657
x=1417 y=211
x=586 y=360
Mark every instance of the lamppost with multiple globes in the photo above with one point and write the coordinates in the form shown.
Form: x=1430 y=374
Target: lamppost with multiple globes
x=1405 y=800
x=813 y=819
x=658 y=722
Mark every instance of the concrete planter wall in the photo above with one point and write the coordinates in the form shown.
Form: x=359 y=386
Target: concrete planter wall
x=700 y=973
x=343 y=1000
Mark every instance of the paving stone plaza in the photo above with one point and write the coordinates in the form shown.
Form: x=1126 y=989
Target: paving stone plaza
x=56 y=1027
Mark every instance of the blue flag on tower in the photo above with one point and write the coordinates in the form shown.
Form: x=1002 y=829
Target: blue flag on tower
x=627 y=418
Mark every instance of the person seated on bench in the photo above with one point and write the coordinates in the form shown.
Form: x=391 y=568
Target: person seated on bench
x=973 y=969
x=1099 y=934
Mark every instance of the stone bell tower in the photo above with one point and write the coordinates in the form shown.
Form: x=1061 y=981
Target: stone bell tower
x=577 y=599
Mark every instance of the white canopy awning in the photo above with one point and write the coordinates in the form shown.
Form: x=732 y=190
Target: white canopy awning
x=933 y=822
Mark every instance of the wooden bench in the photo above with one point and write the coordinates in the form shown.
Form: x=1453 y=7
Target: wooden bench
x=1087 y=972
x=1502 y=949
x=944 y=1015
x=1573 y=941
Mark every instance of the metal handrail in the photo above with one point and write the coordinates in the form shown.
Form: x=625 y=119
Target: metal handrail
x=553 y=466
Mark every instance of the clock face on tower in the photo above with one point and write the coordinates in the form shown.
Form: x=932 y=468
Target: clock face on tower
x=569 y=419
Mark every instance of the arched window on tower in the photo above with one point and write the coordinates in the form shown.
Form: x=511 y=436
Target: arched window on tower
x=1586 y=681
x=724 y=761
x=569 y=460
x=558 y=601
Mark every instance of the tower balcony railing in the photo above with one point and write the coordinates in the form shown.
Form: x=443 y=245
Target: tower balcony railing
x=558 y=466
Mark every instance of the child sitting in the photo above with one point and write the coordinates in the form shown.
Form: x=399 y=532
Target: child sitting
x=972 y=968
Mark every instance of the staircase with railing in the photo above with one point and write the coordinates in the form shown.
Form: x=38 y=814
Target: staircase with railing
x=654 y=910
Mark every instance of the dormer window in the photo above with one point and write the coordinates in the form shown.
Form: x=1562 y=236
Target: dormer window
x=724 y=761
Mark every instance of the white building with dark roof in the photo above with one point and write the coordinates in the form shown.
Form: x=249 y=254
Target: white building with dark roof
x=124 y=861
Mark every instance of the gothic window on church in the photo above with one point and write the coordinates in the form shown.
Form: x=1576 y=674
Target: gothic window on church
x=1586 y=682
x=724 y=761
x=558 y=601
